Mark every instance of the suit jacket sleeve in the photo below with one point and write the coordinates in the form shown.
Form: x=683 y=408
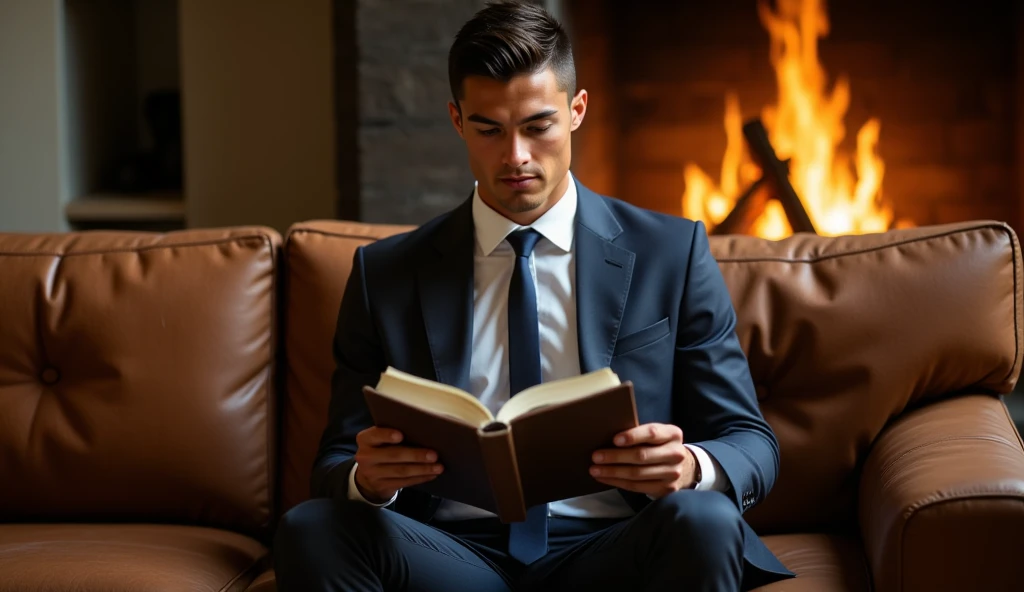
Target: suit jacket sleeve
x=715 y=399
x=359 y=360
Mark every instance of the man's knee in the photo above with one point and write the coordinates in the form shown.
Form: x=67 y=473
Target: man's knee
x=302 y=523
x=699 y=517
x=319 y=523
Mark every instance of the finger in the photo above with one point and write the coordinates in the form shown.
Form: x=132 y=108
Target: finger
x=396 y=484
x=403 y=471
x=637 y=472
x=394 y=454
x=649 y=433
x=654 y=489
x=672 y=453
x=375 y=436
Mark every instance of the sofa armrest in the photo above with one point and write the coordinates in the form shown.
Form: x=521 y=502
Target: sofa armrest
x=942 y=499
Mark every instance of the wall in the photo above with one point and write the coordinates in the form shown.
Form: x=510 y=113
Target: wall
x=31 y=192
x=412 y=163
x=940 y=76
x=258 y=111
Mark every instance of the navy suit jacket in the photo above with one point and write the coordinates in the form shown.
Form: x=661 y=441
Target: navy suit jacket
x=651 y=304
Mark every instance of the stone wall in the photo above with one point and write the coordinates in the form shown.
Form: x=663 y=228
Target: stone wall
x=401 y=160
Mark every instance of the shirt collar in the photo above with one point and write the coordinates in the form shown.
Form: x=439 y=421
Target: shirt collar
x=557 y=224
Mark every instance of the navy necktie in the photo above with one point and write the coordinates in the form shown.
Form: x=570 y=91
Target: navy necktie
x=528 y=540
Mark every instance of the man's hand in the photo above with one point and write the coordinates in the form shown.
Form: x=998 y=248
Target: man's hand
x=649 y=459
x=384 y=467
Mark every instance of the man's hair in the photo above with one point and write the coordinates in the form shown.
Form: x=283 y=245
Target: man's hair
x=509 y=38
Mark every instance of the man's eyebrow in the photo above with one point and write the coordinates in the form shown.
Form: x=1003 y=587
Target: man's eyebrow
x=542 y=115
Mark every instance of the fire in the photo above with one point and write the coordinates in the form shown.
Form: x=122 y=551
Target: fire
x=805 y=127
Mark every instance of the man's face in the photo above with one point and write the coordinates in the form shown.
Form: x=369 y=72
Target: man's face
x=518 y=135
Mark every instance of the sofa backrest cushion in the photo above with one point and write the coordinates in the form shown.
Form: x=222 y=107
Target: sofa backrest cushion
x=136 y=377
x=842 y=334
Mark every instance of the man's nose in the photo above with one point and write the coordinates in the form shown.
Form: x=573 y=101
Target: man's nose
x=516 y=151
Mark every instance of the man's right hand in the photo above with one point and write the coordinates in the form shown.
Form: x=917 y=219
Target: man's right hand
x=385 y=467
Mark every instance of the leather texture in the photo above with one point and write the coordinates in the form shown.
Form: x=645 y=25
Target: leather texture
x=318 y=258
x=265 y=582
x=822 y=562
x=136 y=377
x=129 y=558
x=942 y=499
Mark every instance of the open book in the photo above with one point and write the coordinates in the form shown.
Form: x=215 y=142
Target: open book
x=536 y=449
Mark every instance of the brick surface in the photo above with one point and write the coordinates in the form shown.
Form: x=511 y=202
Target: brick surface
x=671 y=145
x=973 y=142
x=928 y=183
x=901 y=143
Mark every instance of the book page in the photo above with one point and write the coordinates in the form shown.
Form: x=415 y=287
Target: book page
x=433 y=396
x=558 y=391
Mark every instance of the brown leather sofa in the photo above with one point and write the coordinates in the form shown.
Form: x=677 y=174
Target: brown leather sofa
x=161 y=398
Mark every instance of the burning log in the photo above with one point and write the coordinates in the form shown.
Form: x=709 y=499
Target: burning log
x=774 y=182
x=777 y=173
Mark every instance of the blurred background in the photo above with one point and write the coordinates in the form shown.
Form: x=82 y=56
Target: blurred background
x=166 y=114
x=189 y=113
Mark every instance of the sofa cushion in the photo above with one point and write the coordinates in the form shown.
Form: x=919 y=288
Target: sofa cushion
x=821 y=563
x=318 y=259
x=842 y=334
x=136 y=377
x=58 y=557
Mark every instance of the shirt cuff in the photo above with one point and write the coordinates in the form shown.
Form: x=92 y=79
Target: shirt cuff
x=353 y=490
x=712 y=477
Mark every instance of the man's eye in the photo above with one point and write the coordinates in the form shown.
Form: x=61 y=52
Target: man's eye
x=489 y=132
x=540 y=130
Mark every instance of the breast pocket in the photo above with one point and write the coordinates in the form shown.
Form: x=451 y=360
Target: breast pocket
x=641 y=338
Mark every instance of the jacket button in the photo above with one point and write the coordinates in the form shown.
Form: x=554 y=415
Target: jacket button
x=50 y=376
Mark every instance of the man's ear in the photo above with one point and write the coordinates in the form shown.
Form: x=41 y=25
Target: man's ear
x=578 y=109
x=456 y=116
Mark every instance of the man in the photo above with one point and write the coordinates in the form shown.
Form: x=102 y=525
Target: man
x=532 y=279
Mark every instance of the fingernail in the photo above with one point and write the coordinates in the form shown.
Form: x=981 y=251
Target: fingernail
x=599 y=457
x=394 y=436
x=436 y=469
x=595 y=471
x=431 y=457
x=620 y=440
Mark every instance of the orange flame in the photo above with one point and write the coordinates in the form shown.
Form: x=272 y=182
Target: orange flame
x=805 y=127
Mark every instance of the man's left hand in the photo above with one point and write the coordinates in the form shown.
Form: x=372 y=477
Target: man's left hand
x=648 y=459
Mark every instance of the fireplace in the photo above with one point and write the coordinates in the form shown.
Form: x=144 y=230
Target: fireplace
x=926 y=106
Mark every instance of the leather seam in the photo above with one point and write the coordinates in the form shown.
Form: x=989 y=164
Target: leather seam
x=269 y=404
x=1006 y=414
x=1015 y=249
x=242 y=238
x=865 y=250
x=254 y=563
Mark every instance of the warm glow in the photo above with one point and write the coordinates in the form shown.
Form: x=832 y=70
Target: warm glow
x=806 y=127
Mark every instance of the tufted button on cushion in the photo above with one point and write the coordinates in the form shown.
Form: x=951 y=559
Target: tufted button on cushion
x=50 y=376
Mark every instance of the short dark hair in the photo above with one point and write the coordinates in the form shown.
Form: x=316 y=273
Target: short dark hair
x=509 y=38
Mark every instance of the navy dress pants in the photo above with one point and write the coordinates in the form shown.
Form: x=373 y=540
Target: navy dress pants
x=689 y=540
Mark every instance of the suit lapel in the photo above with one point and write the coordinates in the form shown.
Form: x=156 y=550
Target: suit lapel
x=603 y=274
x=445 y=282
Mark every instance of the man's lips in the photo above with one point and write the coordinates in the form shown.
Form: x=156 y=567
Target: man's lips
x=518 y=182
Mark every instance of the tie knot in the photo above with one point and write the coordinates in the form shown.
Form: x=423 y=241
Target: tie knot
x=523 y=241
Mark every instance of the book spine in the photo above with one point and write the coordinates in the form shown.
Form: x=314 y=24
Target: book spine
x=499 y=454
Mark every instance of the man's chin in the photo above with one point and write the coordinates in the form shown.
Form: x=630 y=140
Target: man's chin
x=521 y=202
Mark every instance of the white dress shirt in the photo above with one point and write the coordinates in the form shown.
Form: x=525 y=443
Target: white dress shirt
x=553 y=267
